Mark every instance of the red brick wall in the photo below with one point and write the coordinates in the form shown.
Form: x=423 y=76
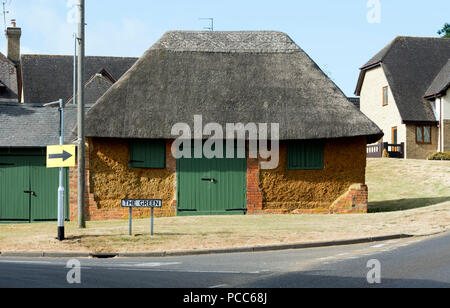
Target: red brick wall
x=354 y=201
x=254 y=193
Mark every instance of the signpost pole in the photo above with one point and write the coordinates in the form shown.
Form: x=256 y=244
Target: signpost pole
x=152 y=219
x=131 y=221
x=81 y=111
x=142 y=204
x=61 y=176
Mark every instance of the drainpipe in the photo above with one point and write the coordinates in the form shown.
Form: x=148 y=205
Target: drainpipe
x=441 y=125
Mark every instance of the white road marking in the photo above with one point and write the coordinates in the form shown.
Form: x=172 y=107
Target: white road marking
x=379 y=245
x=326 y=258
x=218 y=286
x=181 y=271
x=25 y=262
x=157 y=264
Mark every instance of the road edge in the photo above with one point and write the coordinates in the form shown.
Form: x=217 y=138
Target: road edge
x=253 y=249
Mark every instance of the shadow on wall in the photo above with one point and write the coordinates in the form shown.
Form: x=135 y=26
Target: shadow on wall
x=404 y=204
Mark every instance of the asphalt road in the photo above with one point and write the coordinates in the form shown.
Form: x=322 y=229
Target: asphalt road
x=417 y=262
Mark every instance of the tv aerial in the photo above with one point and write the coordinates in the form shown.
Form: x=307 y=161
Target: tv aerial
x=211 y=24
x=5 y=11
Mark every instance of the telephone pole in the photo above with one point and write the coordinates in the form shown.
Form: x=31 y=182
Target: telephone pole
x=81 y=134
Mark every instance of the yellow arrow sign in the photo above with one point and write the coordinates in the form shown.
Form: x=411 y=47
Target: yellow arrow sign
x=59 y=156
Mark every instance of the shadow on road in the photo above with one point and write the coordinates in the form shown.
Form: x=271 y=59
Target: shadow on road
x=317 y=280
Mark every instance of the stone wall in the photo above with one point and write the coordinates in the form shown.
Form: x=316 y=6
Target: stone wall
x=331 y=190
x=314 y=191
x=110 y=179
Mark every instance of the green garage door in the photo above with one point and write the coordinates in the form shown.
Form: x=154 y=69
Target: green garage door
x=28 y=190
x=212 y=186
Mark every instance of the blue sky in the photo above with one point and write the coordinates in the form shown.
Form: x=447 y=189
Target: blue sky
x=336 y=34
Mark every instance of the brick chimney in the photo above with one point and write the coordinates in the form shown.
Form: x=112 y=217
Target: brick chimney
x=13 y=35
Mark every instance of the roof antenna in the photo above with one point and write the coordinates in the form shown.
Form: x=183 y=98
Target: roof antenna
x=5 y=11
x=211 y=24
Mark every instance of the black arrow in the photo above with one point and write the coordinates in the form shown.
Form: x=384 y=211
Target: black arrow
x=65 y=156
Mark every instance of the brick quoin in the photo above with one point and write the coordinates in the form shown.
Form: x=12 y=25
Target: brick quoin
x=254 y=193
x=353 y=202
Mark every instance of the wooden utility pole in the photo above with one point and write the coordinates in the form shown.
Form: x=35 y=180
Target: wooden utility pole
x=81 y=134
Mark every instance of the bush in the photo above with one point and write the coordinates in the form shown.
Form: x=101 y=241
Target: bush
x=440 y=156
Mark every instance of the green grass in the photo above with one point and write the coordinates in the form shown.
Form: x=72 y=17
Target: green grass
x=397 y=184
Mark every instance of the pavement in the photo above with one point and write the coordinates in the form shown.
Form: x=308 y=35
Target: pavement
x=408 y=262
x=41 y=254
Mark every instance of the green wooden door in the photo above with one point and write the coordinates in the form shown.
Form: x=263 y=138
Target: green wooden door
x=212 y=186
x=44 y=184
x=28 y=190
x=14 y=181
x=193 y=190
x=229 y=189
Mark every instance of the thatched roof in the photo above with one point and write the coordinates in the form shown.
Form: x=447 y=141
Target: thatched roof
x=441 y=83
x=48 y=78
x=227 y=77
x=411 y=64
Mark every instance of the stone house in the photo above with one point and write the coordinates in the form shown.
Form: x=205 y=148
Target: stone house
x=226 y=77
x=403 y=90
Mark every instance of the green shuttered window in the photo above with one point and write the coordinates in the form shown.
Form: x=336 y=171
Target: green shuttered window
x=149 y=154
x=305 y=155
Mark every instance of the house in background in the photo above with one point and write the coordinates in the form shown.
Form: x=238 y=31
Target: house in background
x=402 y=89
x=40 y=79
x=227 y=77
x=27 y=187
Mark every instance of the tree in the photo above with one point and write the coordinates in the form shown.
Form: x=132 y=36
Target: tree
x=445 y=32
